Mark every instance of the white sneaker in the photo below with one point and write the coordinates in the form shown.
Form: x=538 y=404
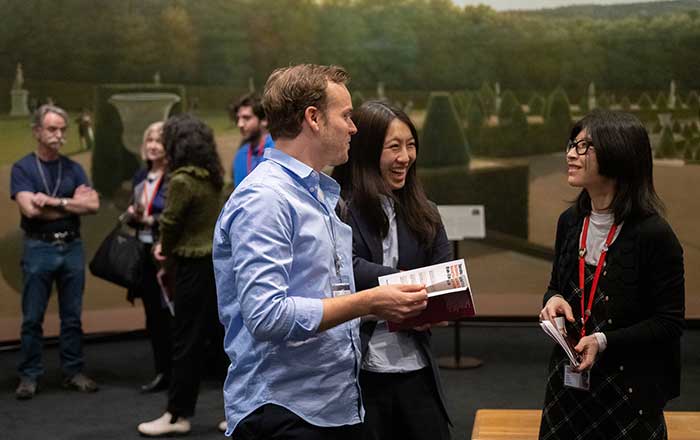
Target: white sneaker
x=163 y=426
x=223 y=426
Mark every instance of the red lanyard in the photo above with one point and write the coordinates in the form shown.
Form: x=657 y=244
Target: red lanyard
x=261 y=147
x=586 y=312
x=148 y=203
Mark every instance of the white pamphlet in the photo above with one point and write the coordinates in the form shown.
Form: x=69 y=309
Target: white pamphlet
x=438 y=279
x=558 y=333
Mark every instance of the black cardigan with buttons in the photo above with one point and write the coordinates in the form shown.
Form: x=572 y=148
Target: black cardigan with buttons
x=644 y=305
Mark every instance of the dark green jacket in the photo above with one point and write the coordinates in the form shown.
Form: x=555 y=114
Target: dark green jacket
x=192 y=206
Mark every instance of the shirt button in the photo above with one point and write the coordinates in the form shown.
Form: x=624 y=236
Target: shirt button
x=609 y=321
x=607 y=298
x=629 y=390
x=641 y=412
x=622 y=368
x=605 y=272
x=312 y=189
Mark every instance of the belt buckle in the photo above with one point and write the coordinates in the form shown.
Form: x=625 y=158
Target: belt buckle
x=60 y=237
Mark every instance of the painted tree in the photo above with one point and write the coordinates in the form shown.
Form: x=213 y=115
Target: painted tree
x=443 y=142
x=475 y=121
x=666 y=147
x=180 y=43
x=536 y=105
x=625 y=104
x=693 y=101
x=661 y=103
x=488 y=99
x=512 y=122
x=645 y=103
x=558 y=116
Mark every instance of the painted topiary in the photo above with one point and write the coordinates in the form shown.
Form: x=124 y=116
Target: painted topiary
x=666 y=147
x=661 y=102
x=557 y=119
x=536 y=105
x=625 y=104
x=443 y=142
x=645 y=102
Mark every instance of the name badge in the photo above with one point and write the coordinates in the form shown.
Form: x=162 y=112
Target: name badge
x=340 y=285
x=579 y=381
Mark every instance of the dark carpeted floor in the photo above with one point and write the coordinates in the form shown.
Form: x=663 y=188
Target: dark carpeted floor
x=512 y=376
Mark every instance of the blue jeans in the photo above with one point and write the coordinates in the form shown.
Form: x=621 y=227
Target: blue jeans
x=42 y=264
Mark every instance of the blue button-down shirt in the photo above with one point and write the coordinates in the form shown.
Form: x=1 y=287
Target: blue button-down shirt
x=273 y=260
x=240 y=166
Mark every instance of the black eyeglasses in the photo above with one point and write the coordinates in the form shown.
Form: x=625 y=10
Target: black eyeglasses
x=581 y=145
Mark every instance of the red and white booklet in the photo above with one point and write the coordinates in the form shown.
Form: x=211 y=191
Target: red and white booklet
x=449 y=293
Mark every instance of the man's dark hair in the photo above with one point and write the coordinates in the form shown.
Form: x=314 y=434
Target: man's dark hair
x=189 y=141
x=624 y=154
x=250 y=100
x=361 y=180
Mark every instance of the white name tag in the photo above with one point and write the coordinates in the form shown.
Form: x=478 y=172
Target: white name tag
x=573 y=379
x=340 y=286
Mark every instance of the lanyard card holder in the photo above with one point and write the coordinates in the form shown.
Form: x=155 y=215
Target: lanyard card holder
x=340 y=285
x=580 y=381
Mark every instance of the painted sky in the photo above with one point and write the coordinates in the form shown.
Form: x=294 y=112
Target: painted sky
x=502 y=5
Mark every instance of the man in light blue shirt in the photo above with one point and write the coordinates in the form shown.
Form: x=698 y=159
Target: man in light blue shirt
x=283 y=266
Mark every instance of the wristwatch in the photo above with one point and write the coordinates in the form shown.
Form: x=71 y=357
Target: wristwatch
x=63 y=204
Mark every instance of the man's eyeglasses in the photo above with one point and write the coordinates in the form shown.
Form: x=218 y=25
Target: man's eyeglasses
x=582 y=146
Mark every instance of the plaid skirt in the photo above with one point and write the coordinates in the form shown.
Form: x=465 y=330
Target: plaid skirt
x=602 y=413
x=605 y=411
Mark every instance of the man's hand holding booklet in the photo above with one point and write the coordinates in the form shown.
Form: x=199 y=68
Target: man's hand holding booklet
x=449 y=293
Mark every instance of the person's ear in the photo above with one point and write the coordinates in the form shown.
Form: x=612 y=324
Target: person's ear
x=312 y=116
x=263 y=123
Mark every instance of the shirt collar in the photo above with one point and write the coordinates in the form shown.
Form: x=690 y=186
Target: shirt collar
x=268 y=141
x=311 y=179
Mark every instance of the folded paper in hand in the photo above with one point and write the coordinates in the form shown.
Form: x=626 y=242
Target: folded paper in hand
x=559 y=335
x=449 y=293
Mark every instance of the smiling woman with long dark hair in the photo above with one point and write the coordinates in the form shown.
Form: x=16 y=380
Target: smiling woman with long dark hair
x=618 y=280
x=395 y=227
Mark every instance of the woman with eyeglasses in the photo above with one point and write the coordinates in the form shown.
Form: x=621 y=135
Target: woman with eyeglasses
x=617 y=280
x=395 y=227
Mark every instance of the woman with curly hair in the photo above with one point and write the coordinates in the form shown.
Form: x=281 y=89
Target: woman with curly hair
x=192 y=206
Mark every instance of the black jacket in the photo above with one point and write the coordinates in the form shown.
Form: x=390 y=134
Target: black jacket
x=367 y=267
x=644 y=304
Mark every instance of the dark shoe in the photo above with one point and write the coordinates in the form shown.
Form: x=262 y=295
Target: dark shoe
x=159 y=383
x=26 y=389
x=80 y=382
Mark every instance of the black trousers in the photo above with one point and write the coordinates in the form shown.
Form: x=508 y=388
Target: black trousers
x=158 y=320
x=196 y=323
x=275 y=422
x=402 y=406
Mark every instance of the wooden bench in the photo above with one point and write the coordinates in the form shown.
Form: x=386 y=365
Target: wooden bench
x=524 y=424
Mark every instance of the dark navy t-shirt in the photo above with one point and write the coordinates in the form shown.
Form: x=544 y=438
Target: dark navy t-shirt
x=25 y=177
